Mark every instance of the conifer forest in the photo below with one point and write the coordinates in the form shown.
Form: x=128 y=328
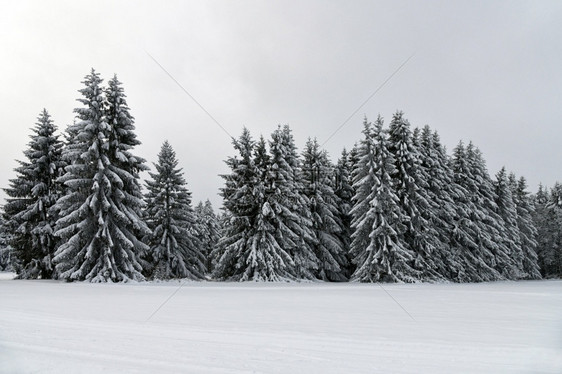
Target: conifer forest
x=393 y=207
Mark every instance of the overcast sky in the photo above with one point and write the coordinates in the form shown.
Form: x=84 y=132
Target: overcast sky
x=488 y=71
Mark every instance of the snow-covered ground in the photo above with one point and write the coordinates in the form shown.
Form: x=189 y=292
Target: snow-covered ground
x=505 y=327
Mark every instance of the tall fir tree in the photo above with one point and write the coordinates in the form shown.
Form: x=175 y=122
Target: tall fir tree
x=288 y=206
x=548 y=220
x=511 y=237
x=405 y=159
x=223 y=218
x=292 y=222
x=363 y=183
x=344 y=192
x=493 y=233
x=406 y=179
x=471 y=246
x=29 y=218
x=384 y=257
x=240 y=210
x=541 y=221
x=526 y=226
x=323 y=205
x=267 y=260
x=436 y=186
x=174 y=248
x=100 y=224
x=207 y=232
x=121 y=141
x=251 y=247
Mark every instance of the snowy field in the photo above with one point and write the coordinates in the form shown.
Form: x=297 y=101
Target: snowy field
x=505 y=327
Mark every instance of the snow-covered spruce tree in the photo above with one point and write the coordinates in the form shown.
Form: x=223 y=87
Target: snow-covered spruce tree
x=288 y=206
x=555 y=206
x=493 y=234
x=436 y=187
x=541 y=221
x=344 y=192
x=100 y=222
x=207 y=232
x=384 y=258
x=174 y=248
x=470 y=245
x=548 y=219
x=223 y=218
x=363 y=182
x=405 y=164
x=417 y=235
x=122 y=139
x=267 y=259
x=249 y=248
x=526 y=226
x=29 y=219
x=240 y=208
x=323 y=205
x=508 y=212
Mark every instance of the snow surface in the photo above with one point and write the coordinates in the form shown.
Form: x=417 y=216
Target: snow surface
x=503 y=327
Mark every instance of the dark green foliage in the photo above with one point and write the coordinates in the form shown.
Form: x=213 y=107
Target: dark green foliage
x=29 y=218
x=344 y=192
x=207 y=232
x=175 y=251
x=378 y=251
x=436 y=206
x=472 y=242
x=510 y=232
x=526 y=226
x=548 y=220
x=323 y=205
x=288 y=203
x=100 y=225
x=252 y=247
x=396 y=208
x=417 y=235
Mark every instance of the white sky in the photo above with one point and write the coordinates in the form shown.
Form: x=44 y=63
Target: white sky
x=486 y=71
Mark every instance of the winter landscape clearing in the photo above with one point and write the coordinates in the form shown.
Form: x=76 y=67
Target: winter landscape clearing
x=503 y=327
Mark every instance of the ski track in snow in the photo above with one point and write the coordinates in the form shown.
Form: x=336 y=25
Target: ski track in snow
x=503 y=327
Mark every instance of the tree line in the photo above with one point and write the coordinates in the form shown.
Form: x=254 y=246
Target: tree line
x=394 y=208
